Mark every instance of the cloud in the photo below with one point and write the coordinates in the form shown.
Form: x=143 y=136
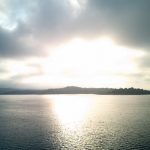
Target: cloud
x=32 y=70
x=51 y=22
x=36 y=24
x=128 y=21
x=12 y=46
x=35 y=28
x=144 y=63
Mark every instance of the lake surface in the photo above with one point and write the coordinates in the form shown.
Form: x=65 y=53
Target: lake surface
x=80 y=122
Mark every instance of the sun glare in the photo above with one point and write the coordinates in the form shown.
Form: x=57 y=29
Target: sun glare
x=71 y=109
x=89 y=59
x=96 y=63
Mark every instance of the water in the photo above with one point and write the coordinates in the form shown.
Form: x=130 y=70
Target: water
x=90 y=122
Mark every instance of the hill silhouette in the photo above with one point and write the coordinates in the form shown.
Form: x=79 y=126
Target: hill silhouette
x=76 y=90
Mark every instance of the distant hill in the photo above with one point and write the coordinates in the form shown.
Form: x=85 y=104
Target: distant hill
x=76 y=90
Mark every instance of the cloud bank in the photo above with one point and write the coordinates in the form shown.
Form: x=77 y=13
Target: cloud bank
x=32 y=29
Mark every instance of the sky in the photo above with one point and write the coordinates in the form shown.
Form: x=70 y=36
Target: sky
x=87 y=43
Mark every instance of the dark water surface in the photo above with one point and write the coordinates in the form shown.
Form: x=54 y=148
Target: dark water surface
x=80 y=122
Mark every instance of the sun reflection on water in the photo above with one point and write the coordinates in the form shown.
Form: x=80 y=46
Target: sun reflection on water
x=71 y=110
x=82 y=121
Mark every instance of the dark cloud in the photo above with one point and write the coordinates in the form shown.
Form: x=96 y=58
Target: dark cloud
x=13 y=46
x=9 y=83
x=52 y=22
x=9 y=46
x=127 y=21
x=44 y=22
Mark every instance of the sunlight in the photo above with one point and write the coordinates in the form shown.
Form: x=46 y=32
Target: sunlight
x=74 y=3
x=88 y=63
x=77 y=6
x=71 y=109
x=82 y=61
x=91 y=57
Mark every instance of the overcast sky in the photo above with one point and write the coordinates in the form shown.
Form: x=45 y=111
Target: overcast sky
x=88 y=43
